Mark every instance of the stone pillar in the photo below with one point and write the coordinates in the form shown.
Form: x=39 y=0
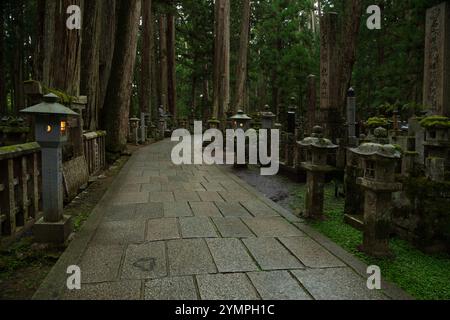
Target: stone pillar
x=436 y=94
x=312 y=101
x=351 y=117
x=329 y=75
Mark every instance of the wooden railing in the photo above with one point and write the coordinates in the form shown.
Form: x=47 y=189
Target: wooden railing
x=94 y=151
x=20 y=188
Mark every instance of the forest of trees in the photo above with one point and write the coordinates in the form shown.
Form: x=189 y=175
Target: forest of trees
x=209 y=57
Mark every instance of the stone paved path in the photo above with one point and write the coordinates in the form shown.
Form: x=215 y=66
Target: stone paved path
x=197 y=232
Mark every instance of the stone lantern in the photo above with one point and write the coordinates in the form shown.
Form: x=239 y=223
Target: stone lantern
x=213 y=123
x=317 y=148
x=241 y=121
x=134 y=129
x=378 y=182
x=267 y=118
x=292 y=117
x=51 y=133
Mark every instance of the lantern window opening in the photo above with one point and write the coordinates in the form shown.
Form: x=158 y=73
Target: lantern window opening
x=370 y=169
x=63 y=127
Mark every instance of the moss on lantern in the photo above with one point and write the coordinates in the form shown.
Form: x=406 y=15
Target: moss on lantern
x=64 y=98
x=377 y=122
x=435 y=122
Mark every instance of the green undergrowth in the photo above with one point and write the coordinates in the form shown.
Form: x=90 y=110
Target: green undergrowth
x=423 y=276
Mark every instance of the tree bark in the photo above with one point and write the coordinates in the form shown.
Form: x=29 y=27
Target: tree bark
x=163 y=62
x=241 y=71
x=146 y=59
x=120 y=83
x=171 y=65
x=3 y=106
x=17 y=66
x=90 y=61
x=38 y=42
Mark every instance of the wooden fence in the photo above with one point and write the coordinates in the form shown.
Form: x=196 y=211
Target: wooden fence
x=94 y=151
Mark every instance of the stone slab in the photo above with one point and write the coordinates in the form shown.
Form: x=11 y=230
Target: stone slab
x=149 y=211
x=120 y=213
x=171 y=288
x=278 y=285
x=189 y=257
x=235 y=196
x=230 y=255
x=259 y=209
x=101 y=263
x=177 y=209
x=145 y=261
x=272 y=227
x=205 y=209
x=162 y=197
x=197 y=227
x=310 y=253
x=121 y=290
x=162 y=229
x=120 y=232
x=336 y=284
x=213 y=186
x=186 y=196
x=131 y=198
x=232 y=228
x=232 y=209
x=271 y=255
x=209 y=196
x=226 y=287
x=151 y=187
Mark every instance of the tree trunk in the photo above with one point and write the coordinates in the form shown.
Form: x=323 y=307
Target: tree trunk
x=90 y=61
x=3 y=106
x=120 y=83
x=17 y=66
x=154 y=69
x=38 y=42
x=241 y=71
x=146 y=59
x=163 y=62
x=171 y=65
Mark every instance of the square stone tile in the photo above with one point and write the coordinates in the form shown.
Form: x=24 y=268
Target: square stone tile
x=162 y=197
x=177 y=209
x=101 y=263
x=151 y=187
x=162 y=229
x=272 y=227
x=226 y=287
x=131 y=198
x=259 y=209
x=149 y=211
x=210 y=196
x=232 y=228
x=197 y=227
x=186 y=196
x=205 y=209
x=336 y=284
x=172 y=288
x=310 y=253
x=278 y=285
x=271 y=255
x=232 y=209
x=119 y=232
x=230 y=255
x=121 y=290
x=189 y=257
x=120 y=213
x=145 y=261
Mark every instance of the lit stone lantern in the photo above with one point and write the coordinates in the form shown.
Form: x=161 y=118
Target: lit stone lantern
x=267 y=118
x=134 y=129
x=317 y=148
x=378 y=161
x=51 y=134
x=241 y=121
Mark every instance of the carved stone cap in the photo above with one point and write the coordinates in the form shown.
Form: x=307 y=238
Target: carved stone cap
x=375 y=149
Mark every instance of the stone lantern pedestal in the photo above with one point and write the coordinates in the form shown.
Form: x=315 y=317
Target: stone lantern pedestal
x=316 y=166
x=378 y=183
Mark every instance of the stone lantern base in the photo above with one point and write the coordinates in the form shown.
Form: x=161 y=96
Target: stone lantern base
x=56 y=233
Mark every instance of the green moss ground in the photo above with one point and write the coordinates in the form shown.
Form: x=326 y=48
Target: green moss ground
x=425 y=277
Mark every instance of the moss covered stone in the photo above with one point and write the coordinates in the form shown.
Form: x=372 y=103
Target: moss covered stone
x=376 y=122
x=438 y=122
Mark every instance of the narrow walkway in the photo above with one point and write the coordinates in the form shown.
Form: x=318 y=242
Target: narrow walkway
x=197 y=232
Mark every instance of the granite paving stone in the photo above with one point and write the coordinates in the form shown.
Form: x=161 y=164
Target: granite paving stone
x=131 y=198
x=197 y=227
x=205 y=209
x=232 y=227
x=145 y=261
x=230 y=255
x=162 y=229
x=258 y=209
x=210 y=196
x=162 y=197
x=120 y=290
x=272 y=227
x=149 y=211
x=189 y=257
x=151 y=187
x=186 y=196
x=234 y=286
x=232 y=209
x=270 y=254
x=177 y=209
x=119 y=232
x=120 y=213
x=101 y=263
x=171 y=288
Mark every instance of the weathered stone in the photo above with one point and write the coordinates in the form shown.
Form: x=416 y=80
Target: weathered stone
x=197 y=227
x=210 y=196
x=120 y=213
x=120 y=232
x=213 y=186
x=189 y=257
x=186 y=196
x=277 y=285
x=179 y=288
x=205 y=209
x=162 y=229
x=258 y=209
x=226 y=287
x=271 y=255
x=236 y=196
x=131 y=198
x=151 y=187
x=272 y=227
x=232 y=209
x=101 y=263
x=162 y=197
x=145 y=261
x=149 y=211
x=232 y=228
x=177 y=209
x=230 y=255
x=121 y=290
x=310 y=253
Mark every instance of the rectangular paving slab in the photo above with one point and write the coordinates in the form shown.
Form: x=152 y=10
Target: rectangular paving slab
x=310 y=253
x=189 y=257
x=271 y=255
x=205 y=209
x=272 y=227
x=120 y=213
x=209 y=196
x=230 y=255
x=232 y=209
x=186 y=196
x=149 y=211
x=259 y=209
x=145 y=261
x=278 y=285
x=162 y=197
x=121 y=290
x=119 y=232
x=131 y=198
x=177 y=209
x=232 y=228
x=162 y=229
x=234 y=286
x=197 y=227
x=101 y=263
x=171 y=288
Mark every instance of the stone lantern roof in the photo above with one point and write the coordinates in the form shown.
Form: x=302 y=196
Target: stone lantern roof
x=267 y=113
x=213 y=120
x=241 y=116
x=50 y=106
x=317 y=140
x=378 y=148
